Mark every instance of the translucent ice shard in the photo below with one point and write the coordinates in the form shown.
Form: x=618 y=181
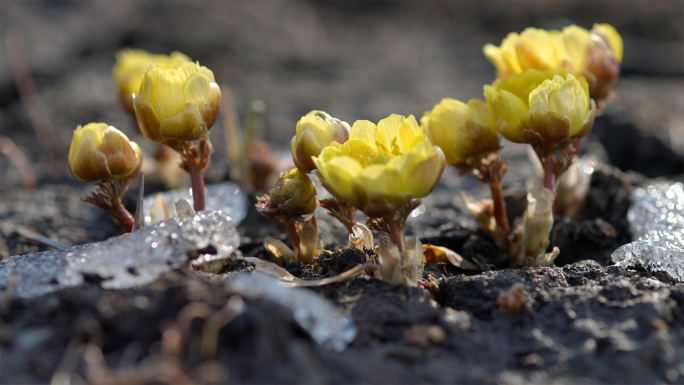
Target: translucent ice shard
x=125 y=261
x=225 y=196
x=656 y=220
x=325 y=324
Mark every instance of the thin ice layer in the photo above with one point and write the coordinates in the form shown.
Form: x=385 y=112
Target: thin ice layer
x=125 y=261
x=225 y=196
x=325 y=324
x=656 y=220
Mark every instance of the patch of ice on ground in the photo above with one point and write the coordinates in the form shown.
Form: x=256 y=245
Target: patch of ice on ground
x=656 y=220
x=325 y=324
x=125 y=261
x=225 y=196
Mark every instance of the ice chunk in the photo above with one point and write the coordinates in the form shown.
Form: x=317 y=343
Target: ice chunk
x=125 y=261
x=327 y=325
x=225 y=196
x=656 y=220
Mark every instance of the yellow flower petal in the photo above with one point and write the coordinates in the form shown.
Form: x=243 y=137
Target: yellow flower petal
x=536 y=49
x=508 y=107
x=88 y=164
x=317 y=126
x=509 y=54
x=572 y=101
x=196 y=89
x=339 y=173
x=363 y=130
x=572 y=48
x=162 y=90
x=187 y=125
x=119 y=152
x=461 y=130
x=495 y=56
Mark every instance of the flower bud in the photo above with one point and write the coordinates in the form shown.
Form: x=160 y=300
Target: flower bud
x=177 y=103
x=130 y=66
x=462 y=131
x=100 y=152
x=315 y=131
x=293 y=195
x=603 y=58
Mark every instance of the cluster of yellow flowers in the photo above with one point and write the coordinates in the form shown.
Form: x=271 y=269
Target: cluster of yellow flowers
x=175 y=102
x=546 y=95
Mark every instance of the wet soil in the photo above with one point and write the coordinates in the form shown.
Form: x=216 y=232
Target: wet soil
x=584 y=321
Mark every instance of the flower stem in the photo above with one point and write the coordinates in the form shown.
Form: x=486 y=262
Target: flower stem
x=499 y=206
x=550 y=174
x=122 y=216
x=396 y=234
x=197 y=181
x=291 y=231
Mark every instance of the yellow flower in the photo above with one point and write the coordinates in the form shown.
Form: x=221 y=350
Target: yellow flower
x=594 y=54
x=177 y=103
x=463 y=131
x=315 y=131
x=534 y=107
x=381 y=168
x=99 y=152
x=130 y=66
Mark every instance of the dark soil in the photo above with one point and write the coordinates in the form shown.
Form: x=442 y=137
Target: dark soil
x=584 y=321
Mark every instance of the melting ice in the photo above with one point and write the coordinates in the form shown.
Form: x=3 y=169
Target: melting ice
x=325 y=324
x=656 y=220
x=225 y=196
x=125 y=261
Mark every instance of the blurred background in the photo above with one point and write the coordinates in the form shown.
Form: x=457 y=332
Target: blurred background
x=355 y=60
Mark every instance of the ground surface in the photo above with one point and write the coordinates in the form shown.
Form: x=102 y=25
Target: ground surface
x=586 y=321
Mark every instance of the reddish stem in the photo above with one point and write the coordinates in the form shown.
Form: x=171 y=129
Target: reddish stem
x=550 y=174
x=197 y=181
x=499 y=206
x=396 y=234
x=122 y=216
x=576 y=147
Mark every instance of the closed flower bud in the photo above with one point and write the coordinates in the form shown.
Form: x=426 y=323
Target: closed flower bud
x=462 y=131
x=381 y=168
x=535 y=108
x=292 y=196
x=603 y=58
x=100 y=152
x=130 y=66
x=177 y=103
x=315 y=131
